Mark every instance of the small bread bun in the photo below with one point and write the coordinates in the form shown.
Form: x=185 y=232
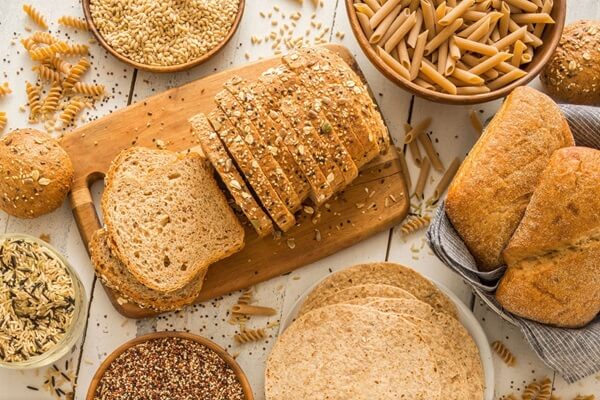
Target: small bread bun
x=573 y=73
x=35 y=173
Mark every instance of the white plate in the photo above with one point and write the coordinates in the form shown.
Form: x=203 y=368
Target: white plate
x=465 y=316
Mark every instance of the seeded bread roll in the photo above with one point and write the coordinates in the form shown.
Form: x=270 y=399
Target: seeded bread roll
x=553 y=258
x=492 y=188
x=35 y=173
x=573 y=73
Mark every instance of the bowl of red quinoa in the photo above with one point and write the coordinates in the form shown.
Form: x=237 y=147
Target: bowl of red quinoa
x=43 y=304
x=170 y=365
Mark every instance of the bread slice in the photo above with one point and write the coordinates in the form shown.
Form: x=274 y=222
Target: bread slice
x=354 y=83
x=138 y=161
x=223 y=164
x=338 y=106
x=553 y=258
x=312 y=128
x=250 y=169
x=116 y=276
x=255 y=143
x=492 y=188
x=168 y=225
x=257 y=96
x=270 y=133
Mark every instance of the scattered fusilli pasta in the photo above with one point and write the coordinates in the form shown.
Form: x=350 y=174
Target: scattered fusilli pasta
x=504 y=353
x=35 y=15
x=47 y=74
x=44 y=38
x=3 y=120
x=52 y=99
x=531 y=391
x=75 y=74
x=76 y=50
x=545 y=390
x=246 y=297
x=414 y=223
x=250 y=335
x=70 y=111
x=33 y=98
x=42 y=53
x=73 y=22
x=5 y=89
x=29 y=44
x=60 y=65
x=88 y=89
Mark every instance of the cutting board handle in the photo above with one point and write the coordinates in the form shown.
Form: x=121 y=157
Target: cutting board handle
x=84 y=212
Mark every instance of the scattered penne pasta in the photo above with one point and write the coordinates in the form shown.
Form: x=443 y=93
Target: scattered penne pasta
x=423 y=175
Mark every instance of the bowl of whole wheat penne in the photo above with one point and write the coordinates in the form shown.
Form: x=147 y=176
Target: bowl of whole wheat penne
x=458 y=51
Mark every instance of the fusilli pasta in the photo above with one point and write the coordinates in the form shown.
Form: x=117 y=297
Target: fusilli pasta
x=69 y=113
x=35 y=15
x=3 y=120
x=414 y=223
x=47 y=74
x=75 y=74
x=33 y=98
x=76 y=50
x=44 y=37
x=88 y=89
x=42 y=53
x=545 y=390
x=5 y=89
x=250 y=335
x=504 y=353
x=59 y=64
x=246 y=297
x=73 y=22
x=29 y=44
x=52 y=99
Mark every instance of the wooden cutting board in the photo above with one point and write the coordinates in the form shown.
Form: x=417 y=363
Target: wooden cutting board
x=376 y=201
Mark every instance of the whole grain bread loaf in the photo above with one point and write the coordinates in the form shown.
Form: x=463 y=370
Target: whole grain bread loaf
x=492 y=188
x=168 y=224
x=553 y=258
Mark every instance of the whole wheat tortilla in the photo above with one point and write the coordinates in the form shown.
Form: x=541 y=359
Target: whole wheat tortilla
x=359 y=292
x=455 y=352
x=381 y=273
x=342 y=352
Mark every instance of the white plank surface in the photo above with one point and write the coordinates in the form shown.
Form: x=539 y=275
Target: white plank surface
x=450 y=131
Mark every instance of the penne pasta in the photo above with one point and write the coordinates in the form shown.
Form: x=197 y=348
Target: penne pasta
x=362 y=8
x=473 y=15
x=527 y=55
x=401 y=32
x=506 y=79
x=414 y=4
x=432 y=155
x=373 y=4
x=413 y=147
x=456 y=12
x=508 y=40
x=405 y=170
x=422 y=180
x=529 y=37
x=524 y=5
x=481 y=31
x=442 y=58
x=411 y=40
x=485 y=65
x=403 y=56
x=393 y=63
x=440 y=12
x=415 y=64
x=518 y=50
x=416 y=131
x=384 y=26
x=441 y=37
x=363 y=20
x=476 y=122
x=383 y=12
x=546 y=8
x=504 y=20
x=424 y=84
x=450 y=66
x=535 y=18
x=405 y=13
x=247 y=309
x=467 y=77
x=476 y=47
x=437 y=78
x=428 y=18
x=445 y=181
x=470 y=90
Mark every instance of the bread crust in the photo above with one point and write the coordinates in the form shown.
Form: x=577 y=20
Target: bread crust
x=35 y=173
x=492 y=188
x=553 y=258
x=573 y=73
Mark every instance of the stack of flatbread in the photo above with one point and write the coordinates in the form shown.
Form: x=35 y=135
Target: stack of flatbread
x=375 y=331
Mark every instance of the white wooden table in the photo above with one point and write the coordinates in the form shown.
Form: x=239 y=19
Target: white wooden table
x=107 y=329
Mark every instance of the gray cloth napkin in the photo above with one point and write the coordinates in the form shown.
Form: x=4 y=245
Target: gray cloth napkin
x=573 y=353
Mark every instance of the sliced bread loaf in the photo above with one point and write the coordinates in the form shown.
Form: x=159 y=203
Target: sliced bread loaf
x=250 y=169
x=255 y=143
x=223 y=164
x=339 y=103
x=116 y=276
x=257 y=96
x=168 y=225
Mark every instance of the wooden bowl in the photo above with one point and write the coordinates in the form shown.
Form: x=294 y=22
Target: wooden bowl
x=198 y=339
x=163 y=68
x=542 y=55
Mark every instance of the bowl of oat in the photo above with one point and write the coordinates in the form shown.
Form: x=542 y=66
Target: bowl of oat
x=42 y=303
x=173 y=365
x=165 y=35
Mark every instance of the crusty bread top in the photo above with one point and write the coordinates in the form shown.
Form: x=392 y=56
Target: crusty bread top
x=553 y=274
x=493 y=186
x=170 y=224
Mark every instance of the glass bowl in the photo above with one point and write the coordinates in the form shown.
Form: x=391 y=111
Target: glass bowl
x=73 y=331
